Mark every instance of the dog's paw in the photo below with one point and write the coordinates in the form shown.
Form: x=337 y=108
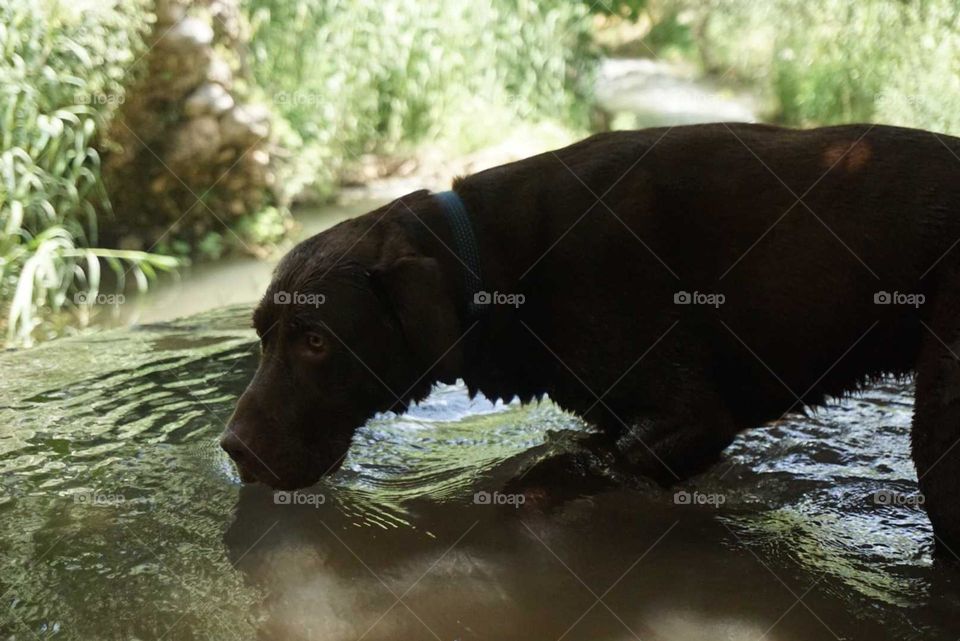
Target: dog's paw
x=560 y=477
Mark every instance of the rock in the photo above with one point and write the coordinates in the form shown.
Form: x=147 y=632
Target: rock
x=226 y=18
x=182 y=58
x=245 y=125
x=220 y=72
x=169 y=12
x=188 y=34
x=183 y=108
x=194 y=144
x=159 y=184
x=236 y=183
x=207 y=99
x=260 y=157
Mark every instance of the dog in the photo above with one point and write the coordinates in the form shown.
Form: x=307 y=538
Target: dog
x=672 y=286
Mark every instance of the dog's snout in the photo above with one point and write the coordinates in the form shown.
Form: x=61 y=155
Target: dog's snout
x=232 y=446
x=237 y=450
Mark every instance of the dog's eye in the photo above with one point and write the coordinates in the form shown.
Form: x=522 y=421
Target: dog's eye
x=316 y=343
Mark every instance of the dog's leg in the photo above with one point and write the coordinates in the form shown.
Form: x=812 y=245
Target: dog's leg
x=667 y=444
x=682 y=439
x=581 y=464
x=936 y=420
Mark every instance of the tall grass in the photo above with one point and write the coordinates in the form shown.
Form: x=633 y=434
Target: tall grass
x=347 y=77
x=61 y=71
x=833 y=61
x=361 y=76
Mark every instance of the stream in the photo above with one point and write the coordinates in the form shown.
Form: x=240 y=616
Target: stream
x=120 y=517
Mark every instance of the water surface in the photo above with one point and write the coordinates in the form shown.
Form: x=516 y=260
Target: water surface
x=121 y=519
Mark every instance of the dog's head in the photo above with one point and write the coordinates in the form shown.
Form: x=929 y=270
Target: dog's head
x=357 y=320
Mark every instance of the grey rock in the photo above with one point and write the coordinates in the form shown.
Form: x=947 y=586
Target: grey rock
x=208 y=99
x=220 y=72
x=245 y=125
x=189 y=33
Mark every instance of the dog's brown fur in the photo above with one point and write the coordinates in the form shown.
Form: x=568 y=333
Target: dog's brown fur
x=798 y=230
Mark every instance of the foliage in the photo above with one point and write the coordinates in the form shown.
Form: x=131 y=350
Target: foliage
x=366 y=76
x=630 y=9
x=832 y=61
x=348 y=77
x=60 y=75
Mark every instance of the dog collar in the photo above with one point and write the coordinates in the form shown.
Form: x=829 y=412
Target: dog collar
x=466 y=249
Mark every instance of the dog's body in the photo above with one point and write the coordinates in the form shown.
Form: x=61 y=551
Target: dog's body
x=678 y=285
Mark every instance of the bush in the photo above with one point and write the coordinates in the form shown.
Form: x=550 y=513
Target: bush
x=365 y=76
x=60 y=76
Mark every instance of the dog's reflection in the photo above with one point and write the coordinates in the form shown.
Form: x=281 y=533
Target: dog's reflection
x=330 y=568
x=333 y=568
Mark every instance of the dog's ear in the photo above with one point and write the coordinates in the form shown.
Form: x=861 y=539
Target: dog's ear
x=421 y=301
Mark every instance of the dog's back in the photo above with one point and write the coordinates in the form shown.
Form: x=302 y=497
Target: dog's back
x=808 y=254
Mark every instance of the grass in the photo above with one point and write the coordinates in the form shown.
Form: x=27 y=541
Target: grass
x=353 y=77
x=827 y=61
x=345 y=78
x=61 y=74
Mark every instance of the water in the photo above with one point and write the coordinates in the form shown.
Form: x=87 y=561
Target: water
x=653 y=93
x=230 y=281
x=121 y=519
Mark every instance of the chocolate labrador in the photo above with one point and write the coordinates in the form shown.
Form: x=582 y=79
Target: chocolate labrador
x=672 y=286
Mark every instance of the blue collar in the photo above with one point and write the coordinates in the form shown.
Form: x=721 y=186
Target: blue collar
x=466 y=249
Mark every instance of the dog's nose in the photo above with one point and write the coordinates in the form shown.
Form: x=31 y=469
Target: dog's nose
x=240 y=453
x=232 y=445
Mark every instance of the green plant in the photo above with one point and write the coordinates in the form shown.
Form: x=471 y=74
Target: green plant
x=833 y=61
x=630 y=9
x=369 y=76
x=61 y=71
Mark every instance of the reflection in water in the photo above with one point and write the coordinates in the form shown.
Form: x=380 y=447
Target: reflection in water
x=121 y=519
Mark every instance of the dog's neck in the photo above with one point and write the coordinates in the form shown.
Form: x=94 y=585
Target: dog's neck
x=495 y=351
